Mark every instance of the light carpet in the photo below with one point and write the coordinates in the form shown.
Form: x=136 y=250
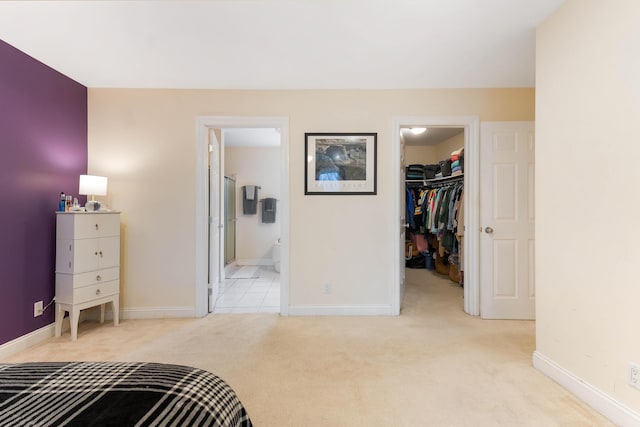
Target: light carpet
x=431 y=366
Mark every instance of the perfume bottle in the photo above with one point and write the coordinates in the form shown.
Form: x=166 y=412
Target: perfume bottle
x=62 y=204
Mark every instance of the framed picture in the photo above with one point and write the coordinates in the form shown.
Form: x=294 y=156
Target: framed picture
x=340 y=163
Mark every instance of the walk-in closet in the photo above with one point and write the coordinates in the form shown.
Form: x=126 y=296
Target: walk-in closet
x=434 y=181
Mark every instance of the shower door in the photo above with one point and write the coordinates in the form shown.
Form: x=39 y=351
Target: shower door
x=229 y=220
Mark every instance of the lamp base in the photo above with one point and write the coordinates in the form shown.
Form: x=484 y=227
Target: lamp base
x=92 y=206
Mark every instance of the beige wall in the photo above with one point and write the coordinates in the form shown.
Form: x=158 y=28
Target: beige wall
x=431 y=154
x=444 y=149
x=254 y=166
x=419 y=154
x=587 y=209
x=144 y=141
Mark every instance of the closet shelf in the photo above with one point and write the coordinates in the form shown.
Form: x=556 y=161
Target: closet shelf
x=443 y=179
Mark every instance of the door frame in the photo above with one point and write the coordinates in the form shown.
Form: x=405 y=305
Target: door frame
x=203 y=125
x=471 y=125
x=215 y=158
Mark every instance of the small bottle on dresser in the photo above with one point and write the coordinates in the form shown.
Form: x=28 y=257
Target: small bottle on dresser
x=62 y=204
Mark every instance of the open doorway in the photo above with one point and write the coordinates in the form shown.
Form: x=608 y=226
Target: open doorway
x=434 y=200
x=251 y=223
x=470 y=141
x=207 y=223
x=434 y=183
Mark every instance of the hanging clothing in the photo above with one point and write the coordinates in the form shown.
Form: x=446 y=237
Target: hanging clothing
x=435 y=212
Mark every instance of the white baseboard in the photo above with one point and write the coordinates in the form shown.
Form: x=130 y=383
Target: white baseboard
x=157 y=312
x=25 y=341
x=255 y=261
x=597 y=399
x=340 y=310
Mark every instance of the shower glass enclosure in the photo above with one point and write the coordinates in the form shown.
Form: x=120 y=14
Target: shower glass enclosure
x=229 y=220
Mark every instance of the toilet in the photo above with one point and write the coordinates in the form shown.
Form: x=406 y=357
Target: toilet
x=275 y=256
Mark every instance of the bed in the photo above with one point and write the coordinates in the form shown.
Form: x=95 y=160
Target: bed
x=116 y=394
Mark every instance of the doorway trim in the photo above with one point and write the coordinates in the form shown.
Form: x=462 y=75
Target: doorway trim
x=203 y=125
x=471 y=125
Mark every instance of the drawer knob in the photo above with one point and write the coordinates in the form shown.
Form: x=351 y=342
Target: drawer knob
x=97 y=226
x=96 y=253
x=100 y=254
x=98 y=278
x=98 y=292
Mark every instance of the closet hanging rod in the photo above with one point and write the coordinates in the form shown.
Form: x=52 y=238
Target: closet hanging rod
x=443 y=184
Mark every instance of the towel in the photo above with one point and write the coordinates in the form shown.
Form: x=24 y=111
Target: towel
x=250 y=192
x=269 y=210
x=249 y=205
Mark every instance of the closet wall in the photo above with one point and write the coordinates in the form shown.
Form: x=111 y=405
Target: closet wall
x=426 y=154
x=422 y=154
x=445 y=148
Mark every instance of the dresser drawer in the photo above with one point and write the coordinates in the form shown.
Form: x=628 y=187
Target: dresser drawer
x=87 y=225
x=88 y=293
x=67 y=294
x=86 y=279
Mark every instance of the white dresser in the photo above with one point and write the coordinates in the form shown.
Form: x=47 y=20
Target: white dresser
x=87 y=265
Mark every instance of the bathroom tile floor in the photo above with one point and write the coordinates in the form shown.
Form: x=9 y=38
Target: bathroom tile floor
x=259 y=295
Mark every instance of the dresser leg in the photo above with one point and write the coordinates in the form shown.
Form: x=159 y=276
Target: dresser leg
x=59 y=318
x=116 y=310
x=74 y=315
x=102 y=313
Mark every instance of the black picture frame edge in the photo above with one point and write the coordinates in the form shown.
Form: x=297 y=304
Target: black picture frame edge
x=341 y=193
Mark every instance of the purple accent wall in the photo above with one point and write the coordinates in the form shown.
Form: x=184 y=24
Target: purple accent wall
x=43 y=151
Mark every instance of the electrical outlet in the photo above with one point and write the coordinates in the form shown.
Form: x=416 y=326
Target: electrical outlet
x=326 y=288
x=37 y=309
x=634 y=375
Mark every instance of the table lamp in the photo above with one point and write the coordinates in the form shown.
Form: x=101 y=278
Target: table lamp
x=92 y=185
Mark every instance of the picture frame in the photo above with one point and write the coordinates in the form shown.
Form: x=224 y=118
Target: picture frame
x=340 y=163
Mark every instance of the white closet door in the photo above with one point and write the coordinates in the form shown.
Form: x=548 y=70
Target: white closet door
x=507 y=239
x=215 y=223
x=403 y=225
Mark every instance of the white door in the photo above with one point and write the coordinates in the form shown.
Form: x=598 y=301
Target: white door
x=403 y=223
x=507 y=285
x=214 y=219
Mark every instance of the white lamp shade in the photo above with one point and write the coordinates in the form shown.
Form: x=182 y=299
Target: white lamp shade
x=92 y=185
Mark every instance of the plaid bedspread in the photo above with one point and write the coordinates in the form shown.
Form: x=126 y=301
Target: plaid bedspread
x=115 y=394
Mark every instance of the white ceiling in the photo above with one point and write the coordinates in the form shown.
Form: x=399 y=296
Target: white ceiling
x=282 y=44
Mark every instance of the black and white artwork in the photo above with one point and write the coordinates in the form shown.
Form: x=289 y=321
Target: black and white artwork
x=343 y=163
